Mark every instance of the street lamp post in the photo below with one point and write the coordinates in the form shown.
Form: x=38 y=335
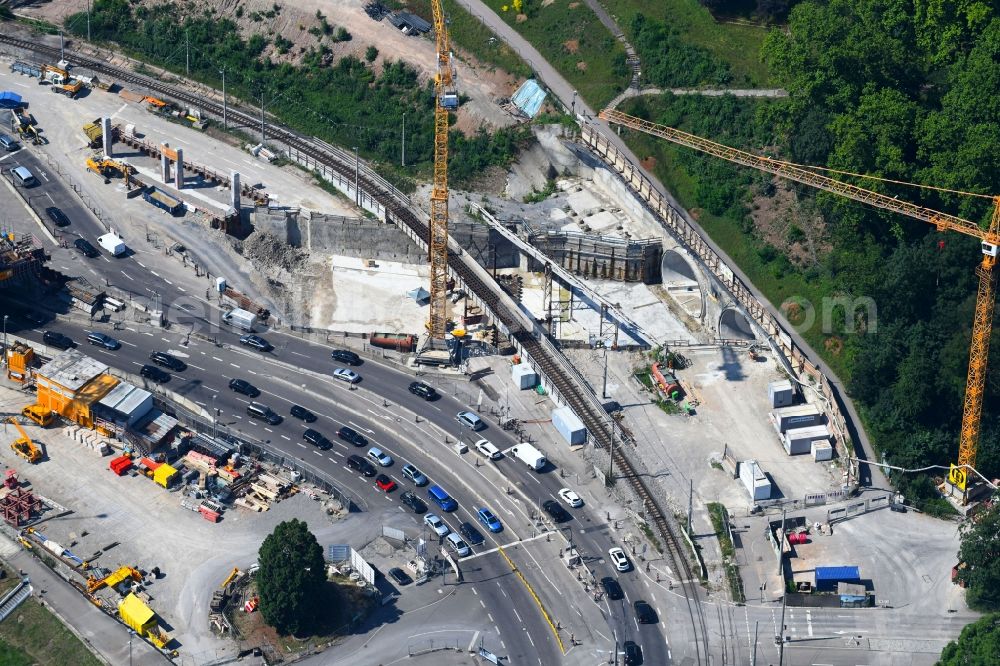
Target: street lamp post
x=215 y=419
x=357 y=194
x=5 y=317
x=573 y=105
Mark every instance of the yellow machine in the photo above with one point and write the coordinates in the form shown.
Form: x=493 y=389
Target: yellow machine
x=20 y=358
x=105 y=168
x=114 y=579
x=38 y=414
x=23 y=446
x=446 y=100
x=71 y=90
x=30 y=133
x=55 y=75
x=960 y=476
x=230 y=578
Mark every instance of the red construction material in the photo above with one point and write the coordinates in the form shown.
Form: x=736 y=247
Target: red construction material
x=120 y=465
x=10 y=480
x=798 y=538
x=18 y=505
x=149 y=463
x=208 y=514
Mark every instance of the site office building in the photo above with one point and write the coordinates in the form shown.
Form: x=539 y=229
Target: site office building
x=71 y=383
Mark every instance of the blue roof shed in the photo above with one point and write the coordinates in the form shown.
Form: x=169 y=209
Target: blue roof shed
x=9 y=100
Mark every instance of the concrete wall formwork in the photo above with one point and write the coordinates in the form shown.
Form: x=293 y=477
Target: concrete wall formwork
x=599 y=256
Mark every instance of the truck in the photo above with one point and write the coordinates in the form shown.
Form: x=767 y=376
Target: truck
x=55 y=75
x=241 y=319
x=113 y=243
x=529 y=455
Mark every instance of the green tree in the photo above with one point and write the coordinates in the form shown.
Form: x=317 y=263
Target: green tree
x=978 y=645
x=291 y=578
x=371 y=53
x=980 y=552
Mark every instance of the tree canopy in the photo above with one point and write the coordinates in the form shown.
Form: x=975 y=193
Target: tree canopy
x=291 y=578
x=980 y=553
x=978 y=645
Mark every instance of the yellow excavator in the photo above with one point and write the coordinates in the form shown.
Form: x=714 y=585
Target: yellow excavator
x=23 y=446
x=106 y=167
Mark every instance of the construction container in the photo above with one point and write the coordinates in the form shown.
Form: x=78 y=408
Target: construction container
x=26 y=68
x=780 y=393
x=164 y=475
x=799 y=440
x=827 y=578
x=120 y=465
x=755 y=480
x=161 y=199
x=569 y=426
x=796 y=538
x=822 y=449
x=799 y=416
x=401 y=342
x=208 y=514
x=524 y=376
x=136 y=614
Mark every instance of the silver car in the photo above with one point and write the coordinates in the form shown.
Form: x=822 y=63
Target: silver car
x=436 y=524
x=346 y=375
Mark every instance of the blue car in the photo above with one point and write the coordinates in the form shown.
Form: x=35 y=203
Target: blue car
x=491 y=522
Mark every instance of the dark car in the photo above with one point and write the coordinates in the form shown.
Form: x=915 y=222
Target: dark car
x=244 y=387
x=471 y=534
x=57 y=340
x=256 y=342
x=85 y=248
x=414 y=502
x=555 y=510
x=303 y=413
x=317 y=439
x=422 y=390
x=400 y=576
x=612 y=588
x=644 y=612
x=353 y=436
x=633 y=654
x=154 y=373
x=360 y=464
x=348 y=357
x=57 y=216
x=168 y=361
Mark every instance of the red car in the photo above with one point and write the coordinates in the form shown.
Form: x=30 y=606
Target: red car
x=385 y=483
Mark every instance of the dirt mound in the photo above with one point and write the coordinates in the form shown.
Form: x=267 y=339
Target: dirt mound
x=269 y=252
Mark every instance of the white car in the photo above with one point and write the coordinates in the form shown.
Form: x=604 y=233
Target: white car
x=458 y=544
x=487 y=448
x=345 y=375
x=619 y=559
x=570 y=498
x=380 y=456
x=436 y=524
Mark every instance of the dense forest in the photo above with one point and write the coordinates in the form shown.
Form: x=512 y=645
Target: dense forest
x=900 y=90
x=343 y=101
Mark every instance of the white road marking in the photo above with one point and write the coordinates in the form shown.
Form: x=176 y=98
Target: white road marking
x=286 y=437
x=155 y=273
x=126 y=275
x=192 y=365
x=211 y=389
x=218 y=359
x=140 y=263
x=182 y=289
x=235 y=366
x=168 y=282
x=301 y=444
x=126 y=343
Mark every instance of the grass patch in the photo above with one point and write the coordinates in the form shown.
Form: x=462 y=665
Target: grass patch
x=717 y=465
x=648 y=531
x=645 y=378
x=537 y=196
x=737 y=45
x=33 y=635
x=573 y=40
x=468 y=32
x=718 y=512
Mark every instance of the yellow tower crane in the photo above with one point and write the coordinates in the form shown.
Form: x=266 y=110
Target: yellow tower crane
x=445 y=101
x=989 y=238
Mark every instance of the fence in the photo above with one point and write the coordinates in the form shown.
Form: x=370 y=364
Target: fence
x=687 y=234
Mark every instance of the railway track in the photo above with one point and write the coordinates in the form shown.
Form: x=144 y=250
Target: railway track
x=398 y=209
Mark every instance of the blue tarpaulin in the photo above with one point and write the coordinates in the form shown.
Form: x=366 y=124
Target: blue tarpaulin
x=9 y=100
x=529 y=98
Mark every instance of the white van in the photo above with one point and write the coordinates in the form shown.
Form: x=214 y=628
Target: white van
x=23 y=177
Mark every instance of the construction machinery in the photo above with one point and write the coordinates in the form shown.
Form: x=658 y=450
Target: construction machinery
x=112 y=580
x=20 y=359
x=446 y=100
x=40 y=415
x=989 y=238
x=94 y=132
x=230 y=578
x=54 y=75
x=106 y=167
x=70 y=89
x=23 y=446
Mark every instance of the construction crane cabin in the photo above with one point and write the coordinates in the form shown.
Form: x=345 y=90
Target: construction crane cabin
x=961 y=478
x=446 y=100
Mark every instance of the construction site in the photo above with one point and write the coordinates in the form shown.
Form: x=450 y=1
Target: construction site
x=105 y=465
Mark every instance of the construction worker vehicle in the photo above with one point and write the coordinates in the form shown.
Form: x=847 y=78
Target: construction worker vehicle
x=71 y=90
x=106 y=168
x=55 y=75
x=38 y=414
x=23 y=446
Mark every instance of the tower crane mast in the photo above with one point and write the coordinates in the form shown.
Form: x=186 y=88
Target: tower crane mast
x=445 y=101
x=989 y=238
